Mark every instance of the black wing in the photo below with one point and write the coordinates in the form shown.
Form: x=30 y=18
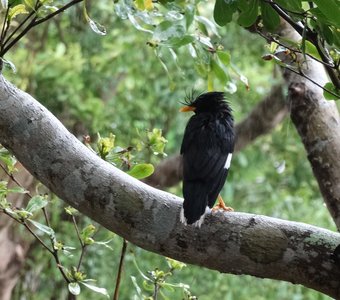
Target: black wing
x=205 y=148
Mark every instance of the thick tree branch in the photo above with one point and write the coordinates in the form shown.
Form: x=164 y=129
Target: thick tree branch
x=261 y=120
x=235 y=243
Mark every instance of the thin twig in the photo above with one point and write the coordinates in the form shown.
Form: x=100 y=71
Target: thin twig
x=83 y=248
x=120 y=269
x=5 y=24
x=271 y=38
x=60 y=10
x=77 y=231
x=310 y=36
x=299 y=72
x=34 y=22
x=54 y=252
x=17 y=29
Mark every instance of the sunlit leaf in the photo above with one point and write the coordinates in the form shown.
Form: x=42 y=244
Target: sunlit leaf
x=19 y=9
x=141 y=171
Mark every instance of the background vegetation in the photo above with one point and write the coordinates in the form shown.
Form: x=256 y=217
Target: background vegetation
x=118 y=84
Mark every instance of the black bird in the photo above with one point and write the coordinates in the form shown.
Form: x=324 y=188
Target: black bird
x=207 y=148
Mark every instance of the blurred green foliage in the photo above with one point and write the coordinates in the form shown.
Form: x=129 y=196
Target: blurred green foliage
x=129 y=82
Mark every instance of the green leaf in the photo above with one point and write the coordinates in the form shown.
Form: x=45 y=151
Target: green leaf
x=210 y=26
x=88 y=232
x=74 y=288
x=30 y=3
x=156 y=141
x=178 y=42
x=292 y=5
x=331 y=10
x=71 y=211
x=167 y=29
x=43 y=228
x=271 y=19
x=105 y=145
x=175 y=264
x=326 y=33
x=223 y=11
x=224 y=57
x=17 y=10
x=331 y=87
x=96 y=289
x=37 y=202
x=248 y=16
x=311 y=50
x=220 y=73
x=141 y=171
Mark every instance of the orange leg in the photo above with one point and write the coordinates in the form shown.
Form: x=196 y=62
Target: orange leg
x=221 y=205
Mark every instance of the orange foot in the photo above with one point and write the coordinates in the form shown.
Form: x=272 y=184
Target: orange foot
x=221 y=205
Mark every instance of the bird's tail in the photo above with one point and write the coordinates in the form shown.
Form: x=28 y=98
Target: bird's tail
x=195 y=204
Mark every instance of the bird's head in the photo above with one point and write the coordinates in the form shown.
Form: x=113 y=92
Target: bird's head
x=212 y=102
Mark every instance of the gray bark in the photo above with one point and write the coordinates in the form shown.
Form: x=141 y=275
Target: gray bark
x=237 y=243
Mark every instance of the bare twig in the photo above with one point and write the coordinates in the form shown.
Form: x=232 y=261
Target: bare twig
x=120 y=269
x=34 y=22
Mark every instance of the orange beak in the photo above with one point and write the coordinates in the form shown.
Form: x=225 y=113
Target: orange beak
x=187 y=108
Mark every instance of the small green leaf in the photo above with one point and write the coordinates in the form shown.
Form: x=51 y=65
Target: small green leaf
x=96 y=289
x=224 y=56
x=17 y=189
x=17 y=10
x=74 y=288
x=167 y=29
x=141 y=171
x=220 y=73
x=156 y=141
x=177 y=42
x=175 y=264
x=331 y=87
x=30 y=3
x=311 y=49
x=87 y=232
x=71 y=211
x=331 y=9
x=248 y=16
x=271 y=19
x=105 y=145
x=223 y=11
x=37 y=202
x=43 y=228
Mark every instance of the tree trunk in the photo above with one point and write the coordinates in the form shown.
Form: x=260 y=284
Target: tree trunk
x=235 y=243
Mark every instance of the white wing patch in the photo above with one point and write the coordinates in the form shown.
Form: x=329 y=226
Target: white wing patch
x=228 y=161
x=199 y=222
